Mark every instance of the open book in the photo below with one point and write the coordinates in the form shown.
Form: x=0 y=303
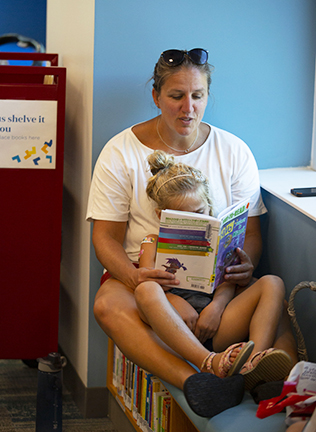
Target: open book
x=198 y=248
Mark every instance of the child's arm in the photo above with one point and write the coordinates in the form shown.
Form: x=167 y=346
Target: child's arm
x=147 y=253
x=210 y=317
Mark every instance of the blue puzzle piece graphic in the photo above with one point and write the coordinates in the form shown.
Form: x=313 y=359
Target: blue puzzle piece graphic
x=36 y=160
x=17 y=158
x=50 y=158
x=50 y=143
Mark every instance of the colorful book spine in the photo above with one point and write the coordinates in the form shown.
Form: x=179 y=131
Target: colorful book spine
x=187 y=242
x=143 y=394
x=135 y=391
x=166 y=413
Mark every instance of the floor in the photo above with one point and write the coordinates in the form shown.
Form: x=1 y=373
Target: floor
x=18 y=396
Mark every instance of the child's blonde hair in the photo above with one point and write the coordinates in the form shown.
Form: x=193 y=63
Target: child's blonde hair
x=171 y=180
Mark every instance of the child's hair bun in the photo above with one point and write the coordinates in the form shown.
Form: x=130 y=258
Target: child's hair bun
x=159 y=160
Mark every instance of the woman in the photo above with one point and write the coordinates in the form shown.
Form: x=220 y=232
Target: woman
x=122 y=215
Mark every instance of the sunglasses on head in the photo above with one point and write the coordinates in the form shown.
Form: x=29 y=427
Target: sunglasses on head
x=175 y=57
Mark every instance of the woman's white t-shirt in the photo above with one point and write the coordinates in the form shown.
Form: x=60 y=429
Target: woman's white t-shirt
x=118 y=188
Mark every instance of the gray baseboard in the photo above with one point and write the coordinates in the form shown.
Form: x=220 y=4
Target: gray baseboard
x=92 y=402
x=117 y=416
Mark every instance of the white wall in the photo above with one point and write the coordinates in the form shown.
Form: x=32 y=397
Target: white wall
x=70 y=33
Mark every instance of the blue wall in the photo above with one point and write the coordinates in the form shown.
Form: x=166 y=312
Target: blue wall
x=25 y=17
x=263 y=53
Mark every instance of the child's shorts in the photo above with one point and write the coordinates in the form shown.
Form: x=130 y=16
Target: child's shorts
x=198 y=300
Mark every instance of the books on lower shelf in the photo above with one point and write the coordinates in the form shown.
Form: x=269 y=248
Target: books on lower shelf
x=198 y=248
x=142 y=393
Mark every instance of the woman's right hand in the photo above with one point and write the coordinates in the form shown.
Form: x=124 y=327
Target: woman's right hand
x=108 y=238
x=150 y=274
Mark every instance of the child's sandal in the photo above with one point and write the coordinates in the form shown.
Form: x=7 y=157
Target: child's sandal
x=226 y=367
x=208 y=363
x=259 y=355
x=273 y=365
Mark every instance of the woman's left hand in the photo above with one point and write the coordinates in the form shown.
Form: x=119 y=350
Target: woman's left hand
x=240 y=274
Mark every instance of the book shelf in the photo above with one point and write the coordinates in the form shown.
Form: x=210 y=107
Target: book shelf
x=178 y=420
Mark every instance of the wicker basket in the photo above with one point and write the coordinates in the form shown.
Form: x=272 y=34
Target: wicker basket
x=302 y=352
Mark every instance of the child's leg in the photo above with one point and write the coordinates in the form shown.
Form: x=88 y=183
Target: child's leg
x=261 y=309
x=185 y=310
x=258 y=313
x=284 y=338
x=155 y=309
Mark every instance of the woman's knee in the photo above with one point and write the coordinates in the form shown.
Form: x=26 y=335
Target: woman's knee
x=112 y=305
x=104 y=310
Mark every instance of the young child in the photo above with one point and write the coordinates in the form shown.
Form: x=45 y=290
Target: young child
x=224 y=317
x=182 y=187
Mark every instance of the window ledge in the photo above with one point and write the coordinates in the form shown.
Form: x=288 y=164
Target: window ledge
x=279 y=182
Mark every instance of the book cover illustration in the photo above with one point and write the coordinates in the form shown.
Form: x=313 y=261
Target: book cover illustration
x=197 y=248
x=232 y=235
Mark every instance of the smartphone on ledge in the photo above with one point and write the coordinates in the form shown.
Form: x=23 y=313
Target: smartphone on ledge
x=304 y=192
